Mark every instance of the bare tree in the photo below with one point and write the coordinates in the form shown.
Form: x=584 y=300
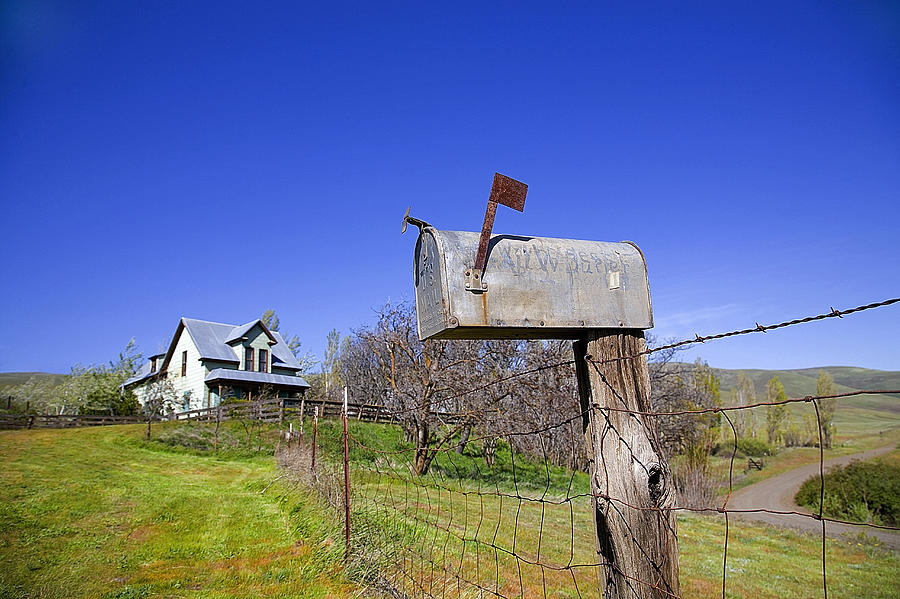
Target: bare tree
x=273 y=322
x=442 y=391
x=424 y=381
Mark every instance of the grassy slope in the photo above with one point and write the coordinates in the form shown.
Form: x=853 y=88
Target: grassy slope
x=94 y=513
x=98 y=513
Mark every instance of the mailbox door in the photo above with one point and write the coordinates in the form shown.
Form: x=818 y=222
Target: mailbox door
x=432 y=303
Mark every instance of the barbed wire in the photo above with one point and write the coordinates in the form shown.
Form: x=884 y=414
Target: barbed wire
x=499 y=549
x=758 y=328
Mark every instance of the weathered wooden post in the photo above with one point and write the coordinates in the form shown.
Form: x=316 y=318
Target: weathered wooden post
x=475 y=286
x=218 y=420
x=631 y=484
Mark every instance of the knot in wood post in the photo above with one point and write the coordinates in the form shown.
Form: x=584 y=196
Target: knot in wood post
x=631 y=483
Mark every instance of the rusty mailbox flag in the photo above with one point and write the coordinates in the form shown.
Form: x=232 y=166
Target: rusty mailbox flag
x=524 y=287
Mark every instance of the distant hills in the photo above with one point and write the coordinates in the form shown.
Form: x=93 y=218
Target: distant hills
x=798 y=382
x=801 y=382
x=11 y=379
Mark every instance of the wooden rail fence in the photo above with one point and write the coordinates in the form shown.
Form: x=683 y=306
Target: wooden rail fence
x=266 y=410
x=13 y=421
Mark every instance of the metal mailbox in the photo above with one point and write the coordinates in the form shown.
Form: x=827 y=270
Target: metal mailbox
x=531 y=288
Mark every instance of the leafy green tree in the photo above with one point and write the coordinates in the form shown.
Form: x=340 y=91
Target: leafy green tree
x=330 y=359
x=825 y=386
x=97 y=389
x=692 y=437
x=160 y=398
x=273 y=322
x=775 y=415
x=744 y=394
x=707 y=393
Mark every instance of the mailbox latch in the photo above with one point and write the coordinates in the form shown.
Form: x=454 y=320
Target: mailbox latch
x=474 y=280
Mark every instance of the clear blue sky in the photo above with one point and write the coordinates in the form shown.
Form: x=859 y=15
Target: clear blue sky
x=216 y=159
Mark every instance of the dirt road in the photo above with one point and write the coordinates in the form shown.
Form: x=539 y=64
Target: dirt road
x=777 y=493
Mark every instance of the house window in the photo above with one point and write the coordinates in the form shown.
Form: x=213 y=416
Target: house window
x=184 y=363
x=248 y=358
x=263 y=360
x=153 y=365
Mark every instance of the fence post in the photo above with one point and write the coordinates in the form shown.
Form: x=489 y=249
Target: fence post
x=631 y=484
x=280 y=411
x=346 y=482
x=315 y=434
x=218 y=419
x=302 y=414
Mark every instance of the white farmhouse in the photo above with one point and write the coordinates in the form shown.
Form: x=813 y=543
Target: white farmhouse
x=207 y=361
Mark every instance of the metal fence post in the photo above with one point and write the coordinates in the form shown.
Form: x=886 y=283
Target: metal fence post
x=302 y=414
x=346 y=482
x=315 y=435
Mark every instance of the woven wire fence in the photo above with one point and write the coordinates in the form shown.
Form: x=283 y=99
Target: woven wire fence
x=504 y=509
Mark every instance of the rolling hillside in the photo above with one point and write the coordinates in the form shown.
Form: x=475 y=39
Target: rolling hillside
x=857 y=418
x=801 y=382
x=11 y=379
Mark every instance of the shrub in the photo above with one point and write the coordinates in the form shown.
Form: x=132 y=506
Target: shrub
x=860 y=491
x=754 y=447
x=746 y=447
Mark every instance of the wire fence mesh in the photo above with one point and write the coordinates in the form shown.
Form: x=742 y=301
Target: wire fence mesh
x=503 y=508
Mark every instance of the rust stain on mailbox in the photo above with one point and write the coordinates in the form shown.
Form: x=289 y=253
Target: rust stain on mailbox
x=535 y=287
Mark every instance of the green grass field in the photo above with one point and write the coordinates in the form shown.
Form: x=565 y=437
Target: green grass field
x=101 y=513
x=97 y=513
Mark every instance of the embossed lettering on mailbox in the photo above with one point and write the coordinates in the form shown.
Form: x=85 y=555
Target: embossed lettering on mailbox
x=535 y=287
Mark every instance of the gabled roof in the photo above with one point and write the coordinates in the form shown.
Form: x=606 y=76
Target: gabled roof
x=282 y=356
x=211 y=340
x=209 y=337
x=239 y=332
